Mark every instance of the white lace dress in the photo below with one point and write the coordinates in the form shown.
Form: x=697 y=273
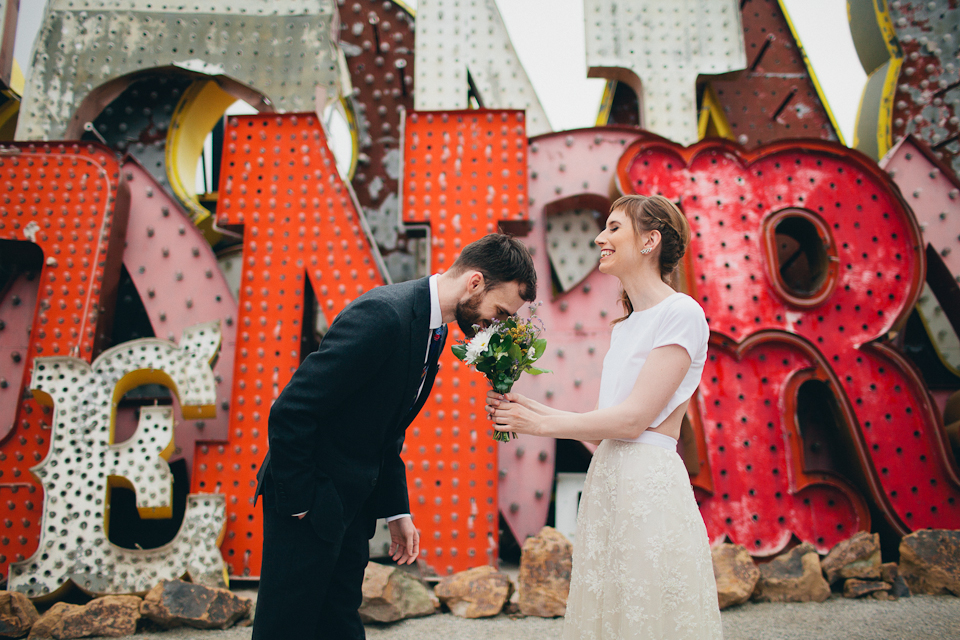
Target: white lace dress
x=641 y=559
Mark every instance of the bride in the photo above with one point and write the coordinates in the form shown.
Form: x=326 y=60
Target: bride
x=641 y=559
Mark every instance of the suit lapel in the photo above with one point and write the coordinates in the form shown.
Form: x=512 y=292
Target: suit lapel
x=428 y=381
x=419 y=330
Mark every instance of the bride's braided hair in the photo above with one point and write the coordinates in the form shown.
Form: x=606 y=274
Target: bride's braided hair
x=649 y=213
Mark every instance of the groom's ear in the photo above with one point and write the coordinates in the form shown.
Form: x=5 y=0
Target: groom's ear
x=475 y=282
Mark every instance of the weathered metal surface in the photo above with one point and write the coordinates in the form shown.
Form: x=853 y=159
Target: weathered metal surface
x=873 y=270
x=377 y=39
x=660 y=47
x=455 y=39
x=915 y=89
x=180 y=285
x=286 y=51
x=568 y=171
x=777 y=96
x=933 y=193
x=464 y=174
x=73 y=537
x=299 y=221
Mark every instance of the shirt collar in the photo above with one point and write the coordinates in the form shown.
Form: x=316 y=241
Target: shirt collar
x=436 y=317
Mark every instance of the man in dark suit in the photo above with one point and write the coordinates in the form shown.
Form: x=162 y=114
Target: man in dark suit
x=337 y=430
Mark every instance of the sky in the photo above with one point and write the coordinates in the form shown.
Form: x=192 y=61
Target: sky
x=548 y=36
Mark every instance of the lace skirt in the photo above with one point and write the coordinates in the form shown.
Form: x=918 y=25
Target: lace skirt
x=641 y=560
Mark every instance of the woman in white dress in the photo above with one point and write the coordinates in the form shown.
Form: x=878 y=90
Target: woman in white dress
x=641 y=559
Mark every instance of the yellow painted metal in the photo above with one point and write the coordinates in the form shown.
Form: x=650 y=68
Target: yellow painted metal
x=881 y=56
x=713 y=122
x=17 y=81
x=9 y=110
x=606 y=103
x=202 y=105
x=813 y=74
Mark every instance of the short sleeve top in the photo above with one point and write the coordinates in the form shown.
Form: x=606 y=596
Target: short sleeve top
x=677 y=319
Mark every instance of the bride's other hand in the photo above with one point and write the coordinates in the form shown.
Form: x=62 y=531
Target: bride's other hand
x=513 y=417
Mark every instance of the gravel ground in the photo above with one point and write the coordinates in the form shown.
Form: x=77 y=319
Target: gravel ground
x=916 y=618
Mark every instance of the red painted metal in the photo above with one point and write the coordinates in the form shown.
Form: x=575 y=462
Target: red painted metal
x=71 y=201
x=568 y=170
x=280 y=183
x=180 y=285
x=726 y=195
x=774 y=98
x=761 y=493
x=465 y=172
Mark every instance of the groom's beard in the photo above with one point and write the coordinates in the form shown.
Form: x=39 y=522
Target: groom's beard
x=467 y=314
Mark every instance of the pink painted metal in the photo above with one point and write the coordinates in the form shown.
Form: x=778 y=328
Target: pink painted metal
x=933 y=192
x=17 y=305
x=180 y=284
x=568 y=170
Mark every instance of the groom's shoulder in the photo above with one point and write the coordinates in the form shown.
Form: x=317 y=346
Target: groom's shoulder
x=397 y=296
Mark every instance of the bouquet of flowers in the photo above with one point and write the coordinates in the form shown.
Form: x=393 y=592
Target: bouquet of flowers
x=503 y=351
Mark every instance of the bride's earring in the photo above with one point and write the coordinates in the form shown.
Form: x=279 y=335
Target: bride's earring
x=645 y=251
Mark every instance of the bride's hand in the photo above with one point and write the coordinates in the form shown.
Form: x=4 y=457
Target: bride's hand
x=494 y=399
x=513 y=417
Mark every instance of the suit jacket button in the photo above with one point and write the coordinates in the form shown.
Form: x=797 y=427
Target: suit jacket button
x=373 y=482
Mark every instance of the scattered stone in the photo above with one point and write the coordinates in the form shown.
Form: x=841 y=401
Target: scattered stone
x=856 y=588
x=174 y=603
x=544 y=580
x=109 y=616
x=735 y=572
x=882 y=595
x=900 y=588
x=480 y=592
x=17 y=614
x=50 y=624
x=930 y=561
x=888 y=572
x=795 y=576
x=390 y=594
x=855 y=557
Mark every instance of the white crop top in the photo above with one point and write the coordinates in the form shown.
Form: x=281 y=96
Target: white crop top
x=677 y=319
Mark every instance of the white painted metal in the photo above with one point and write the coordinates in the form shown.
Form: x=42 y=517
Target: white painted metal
x=73 y=537
x=659 y=47
x=457 y=36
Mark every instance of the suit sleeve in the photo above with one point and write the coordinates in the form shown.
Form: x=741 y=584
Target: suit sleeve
x=355 y=346
x=392 y=486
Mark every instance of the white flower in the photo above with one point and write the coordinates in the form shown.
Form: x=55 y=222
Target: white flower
x=479 y=344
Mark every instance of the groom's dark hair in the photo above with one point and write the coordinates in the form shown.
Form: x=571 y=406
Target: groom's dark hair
x=500 y=258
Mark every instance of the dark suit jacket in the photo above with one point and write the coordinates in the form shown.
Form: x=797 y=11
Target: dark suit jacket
x=337 y=429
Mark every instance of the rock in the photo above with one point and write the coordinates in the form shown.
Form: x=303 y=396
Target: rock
x=735 y=572
x=900 y=588
x=855 y=557
x=888 y=572
x=109 y=616
x=882 y=595
x=856 y=588
x=17 y=614
x=390 y=594
x=930 y=561
x=50 y=624
x=476 y=593
x=544 y=581
x=795 y=576
x=173 y=603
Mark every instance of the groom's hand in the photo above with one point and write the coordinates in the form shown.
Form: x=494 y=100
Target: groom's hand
x=404 y=540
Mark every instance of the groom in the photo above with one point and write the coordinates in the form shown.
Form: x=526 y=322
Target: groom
x=337 y=429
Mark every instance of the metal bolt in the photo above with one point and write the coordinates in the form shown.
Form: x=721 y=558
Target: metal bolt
x=538 y=494
x=542 y=456
x=520 y=452
x=514 y=507
x=16 y=356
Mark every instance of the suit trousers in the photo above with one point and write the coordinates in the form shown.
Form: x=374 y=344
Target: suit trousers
x=309 y=588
